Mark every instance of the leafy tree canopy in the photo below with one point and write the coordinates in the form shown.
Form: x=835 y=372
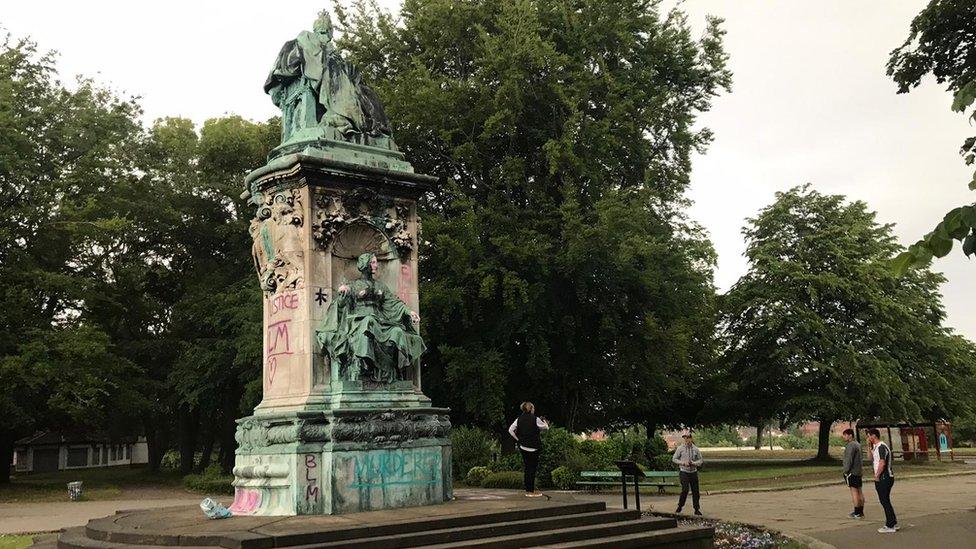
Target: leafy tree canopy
x=820 y=329
x=942 y=42
x=557 y=266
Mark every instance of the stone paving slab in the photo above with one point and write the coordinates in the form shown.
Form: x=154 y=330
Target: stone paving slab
x=929 y=505
x=31 y=518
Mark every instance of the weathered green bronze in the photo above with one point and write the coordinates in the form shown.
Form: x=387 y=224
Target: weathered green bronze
x=343 y=424
x=369 y=332
x=321 y=96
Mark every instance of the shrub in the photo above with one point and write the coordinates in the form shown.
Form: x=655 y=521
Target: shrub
x=170 y=461
x=558 y=446
x=506 y=462
x=504 y=479
x=599 y=455
x=657 y=446
x=663 y=463
x=208 y=484
x=470 y=447
x=563 y=478
x=476 y=475
x=635 y=446
x=721 y=436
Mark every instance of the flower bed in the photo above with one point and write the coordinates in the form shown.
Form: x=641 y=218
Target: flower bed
x=729 y=535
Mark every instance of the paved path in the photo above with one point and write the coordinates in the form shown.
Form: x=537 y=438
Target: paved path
x=934 y=512
x=29 y=518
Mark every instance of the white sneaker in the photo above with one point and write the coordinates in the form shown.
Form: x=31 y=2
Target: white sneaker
x=887 y=530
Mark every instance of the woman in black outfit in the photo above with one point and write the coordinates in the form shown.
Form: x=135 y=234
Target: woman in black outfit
x=527 y=432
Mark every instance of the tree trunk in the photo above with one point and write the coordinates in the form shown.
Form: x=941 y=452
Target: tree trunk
x=651 y=426
x=157 y=440
x=207 y=449
x=760 y=426
x=189 y=425
x=226 y=429
x=228 y=444
x=7 y=439
x=823 y=442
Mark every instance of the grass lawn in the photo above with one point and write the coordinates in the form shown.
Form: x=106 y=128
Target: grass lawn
x=757 y=474
x=100 y=483
x=835 y=451
x=762 y=473
x=14 y=542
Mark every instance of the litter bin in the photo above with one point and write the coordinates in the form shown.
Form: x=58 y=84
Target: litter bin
x=74 y=490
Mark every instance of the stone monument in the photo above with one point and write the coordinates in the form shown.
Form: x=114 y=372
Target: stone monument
x=343 y=425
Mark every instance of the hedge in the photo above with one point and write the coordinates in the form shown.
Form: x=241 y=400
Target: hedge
x=505 y=479
x=209 y=484
x=476 y=475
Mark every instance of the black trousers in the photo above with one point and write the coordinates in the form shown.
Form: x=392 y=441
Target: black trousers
x=689 y=480
x=530 y=464
x=883 y=486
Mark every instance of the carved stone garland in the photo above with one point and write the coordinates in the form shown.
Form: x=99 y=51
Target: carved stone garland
x=277 y=235
x=336 y=210
x=384 y=428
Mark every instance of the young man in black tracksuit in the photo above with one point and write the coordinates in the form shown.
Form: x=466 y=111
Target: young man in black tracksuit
x=884 y=479
x=527 y=432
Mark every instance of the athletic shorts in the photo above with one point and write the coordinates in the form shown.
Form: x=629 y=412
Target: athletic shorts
x=853 y=481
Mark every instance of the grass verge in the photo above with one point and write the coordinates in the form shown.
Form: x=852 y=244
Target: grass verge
x=14 y=542
x=99 y=484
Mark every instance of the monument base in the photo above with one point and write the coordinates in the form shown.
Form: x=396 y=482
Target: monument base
x=341 y=461
x=477 y=518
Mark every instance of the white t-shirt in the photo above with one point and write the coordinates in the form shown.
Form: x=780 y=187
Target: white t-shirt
x=879 y=452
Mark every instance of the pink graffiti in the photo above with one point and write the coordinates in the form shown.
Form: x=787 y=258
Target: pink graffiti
x=272 y=368
x=246 y=501
x=284 y=302
x=405 y=283
x=278 y=344
x=278 y=332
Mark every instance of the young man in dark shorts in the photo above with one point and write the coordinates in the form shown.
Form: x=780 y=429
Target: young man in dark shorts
x=852 y=472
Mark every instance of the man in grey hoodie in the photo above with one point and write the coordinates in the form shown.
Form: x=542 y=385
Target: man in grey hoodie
x=852 y=472
x=689 y=459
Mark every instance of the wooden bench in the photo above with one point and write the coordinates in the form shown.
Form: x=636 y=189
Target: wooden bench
x=612 y=478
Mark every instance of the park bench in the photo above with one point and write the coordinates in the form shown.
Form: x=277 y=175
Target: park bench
x=612 y=478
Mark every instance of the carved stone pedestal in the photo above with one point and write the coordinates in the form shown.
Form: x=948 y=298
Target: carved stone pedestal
x=311 y=463
x=328 y=439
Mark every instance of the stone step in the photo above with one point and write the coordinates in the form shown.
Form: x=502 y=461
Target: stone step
x=683 y=537
x=106 y=529
x=440 y=523
x=562 y=535
x=482 y=531
x=77 y=538
x=45 y=541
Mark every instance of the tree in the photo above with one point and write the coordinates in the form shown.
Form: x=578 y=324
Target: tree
x=216 y=314
x=556 y=264
x=68 y=171
x=942 y=42
x=126 y=266
x=819 y=329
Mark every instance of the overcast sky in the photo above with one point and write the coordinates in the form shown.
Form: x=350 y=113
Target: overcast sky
x=810 y=101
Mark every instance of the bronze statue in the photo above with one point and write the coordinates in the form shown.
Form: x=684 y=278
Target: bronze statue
x=323 y=96
x=368 y=332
